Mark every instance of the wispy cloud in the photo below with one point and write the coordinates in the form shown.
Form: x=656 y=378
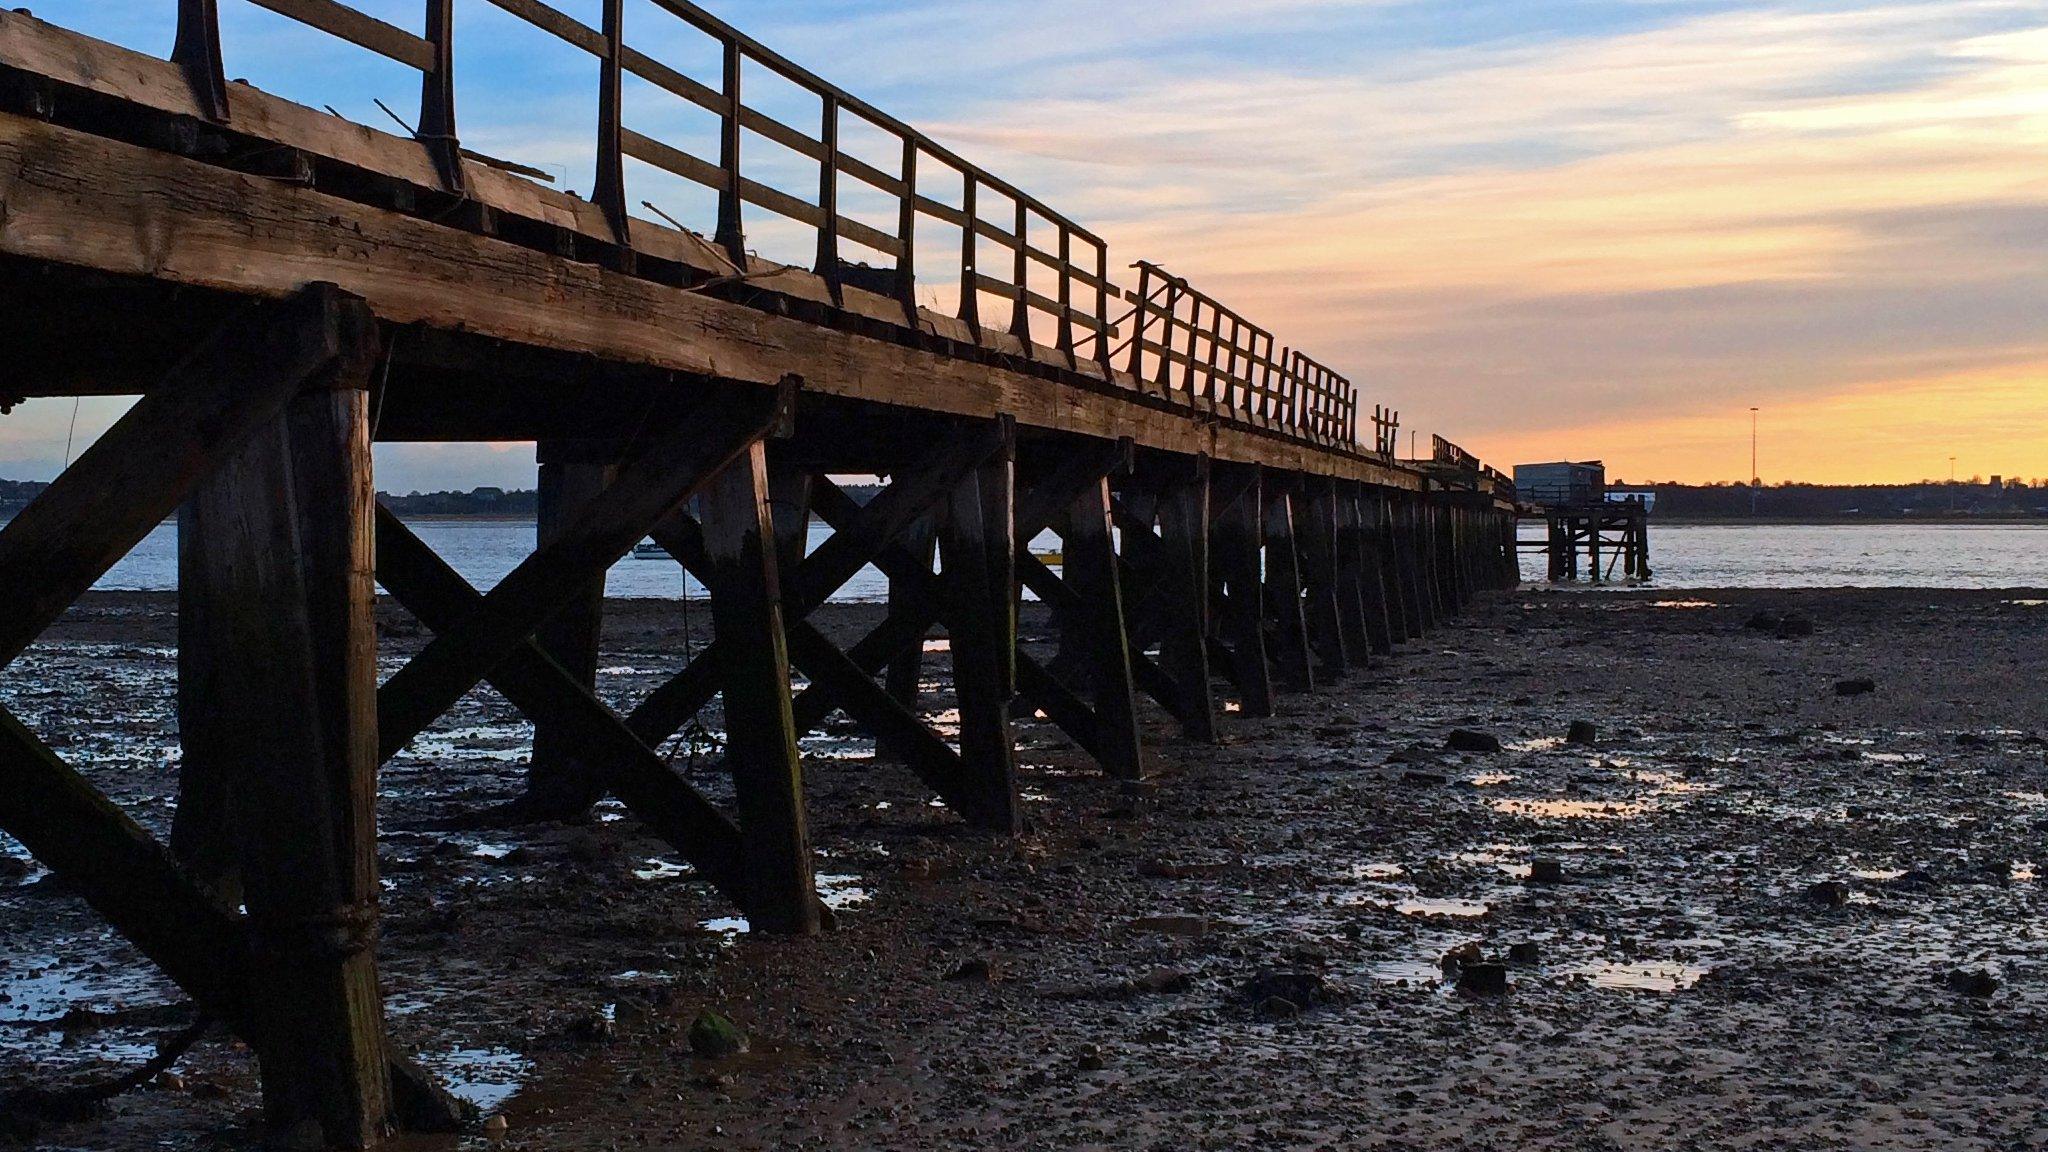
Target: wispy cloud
x=1514 y=219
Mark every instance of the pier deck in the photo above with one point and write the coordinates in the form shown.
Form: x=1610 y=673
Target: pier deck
x=283 y=288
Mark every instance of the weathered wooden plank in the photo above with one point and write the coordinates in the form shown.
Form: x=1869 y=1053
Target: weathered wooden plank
x=740 y=546
x=80 y=200
x=141 y=469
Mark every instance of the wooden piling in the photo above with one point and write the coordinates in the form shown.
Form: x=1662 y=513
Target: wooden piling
x=559 y=783
x=740 y=548
x=1238 y=583
x=977 y=546
x=1294 y=668
x=1317 y=529
x=280 y=540
x=1090 y=569
x=1184 y=648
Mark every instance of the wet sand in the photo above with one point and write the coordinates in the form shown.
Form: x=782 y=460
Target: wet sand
x=1764 y=890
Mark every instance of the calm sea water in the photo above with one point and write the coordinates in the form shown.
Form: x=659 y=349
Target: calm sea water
x=1683 y=556
x=1843 y=556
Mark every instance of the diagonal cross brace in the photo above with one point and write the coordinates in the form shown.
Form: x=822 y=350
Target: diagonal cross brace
x=133 y=881
x=844 y=681
x=655 y=483
x=856 y=540
x=549 y=694
x=141 y=469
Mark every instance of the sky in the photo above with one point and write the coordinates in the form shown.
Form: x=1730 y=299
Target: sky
x=1598 y=229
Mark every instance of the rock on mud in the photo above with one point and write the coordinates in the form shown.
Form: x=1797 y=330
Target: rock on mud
x=1484 y=978
x=1973 y=982
x=1471 y=740
x=714 y=1037
x=1583 y=732
x=1860 y=686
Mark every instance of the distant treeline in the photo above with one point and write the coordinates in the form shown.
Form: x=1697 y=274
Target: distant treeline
x=514 y=503
x=1928 y=499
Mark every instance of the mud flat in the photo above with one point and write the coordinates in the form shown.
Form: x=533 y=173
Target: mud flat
x=1754 y=913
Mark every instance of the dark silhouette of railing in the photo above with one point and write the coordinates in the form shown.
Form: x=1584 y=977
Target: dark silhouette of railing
x=1442 y=451
x=1186 y=346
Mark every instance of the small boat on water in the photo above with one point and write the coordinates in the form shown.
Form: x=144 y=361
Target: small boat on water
x=649 y=550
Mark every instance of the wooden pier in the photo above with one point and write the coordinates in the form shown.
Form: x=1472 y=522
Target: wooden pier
x=1609 y=535
x=283 y=288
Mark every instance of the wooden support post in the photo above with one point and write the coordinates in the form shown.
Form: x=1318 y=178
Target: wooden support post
x=202 y=830
x=1090 y=569
x=560 y=784
x=1407 y=567
x=1357 y=577
x=1384 y=617
x=740 y=548
x=1238 y=529
x=1293 y=666
x=904 y=677
x=280 y=539
x=1183 y=510
x=977 y=549
x=1320 y=577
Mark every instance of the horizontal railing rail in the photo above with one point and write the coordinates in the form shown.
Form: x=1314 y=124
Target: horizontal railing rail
x=1049 y=278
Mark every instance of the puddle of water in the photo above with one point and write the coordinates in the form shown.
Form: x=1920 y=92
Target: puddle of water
x=1535 y=744
x=1377 y=871
x=486 y=1077
x=1644 y=975
x=659 y=869
x=1421 y=972
x=492 y=851
x=1683 y=605
x=2022 y=872
x=1877 y=875
x=1571 y=809
x=1444 y=906
x=2028 y=603
x=1896 y=757
x=730 y=927
x=41 y=988
x=1494 y=779
x=840 y=892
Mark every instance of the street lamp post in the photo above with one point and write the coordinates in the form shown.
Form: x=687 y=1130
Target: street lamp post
x=1755 y=478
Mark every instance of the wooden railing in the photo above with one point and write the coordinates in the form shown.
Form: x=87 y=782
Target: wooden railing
x=1053 y=276
x=1442 y=451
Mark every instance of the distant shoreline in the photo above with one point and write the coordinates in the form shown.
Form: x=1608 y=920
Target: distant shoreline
x=1845 y=521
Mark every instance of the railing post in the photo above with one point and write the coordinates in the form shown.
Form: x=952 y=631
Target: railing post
x=1102 y=332
x=1066 y=296
x=1141 y=317
x=437 y=97
x=970 y=241
x=828 y=191
x=197 y=51
x=609 y=189
x=1020 y=315
x=906 y=235
x=731 y=234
